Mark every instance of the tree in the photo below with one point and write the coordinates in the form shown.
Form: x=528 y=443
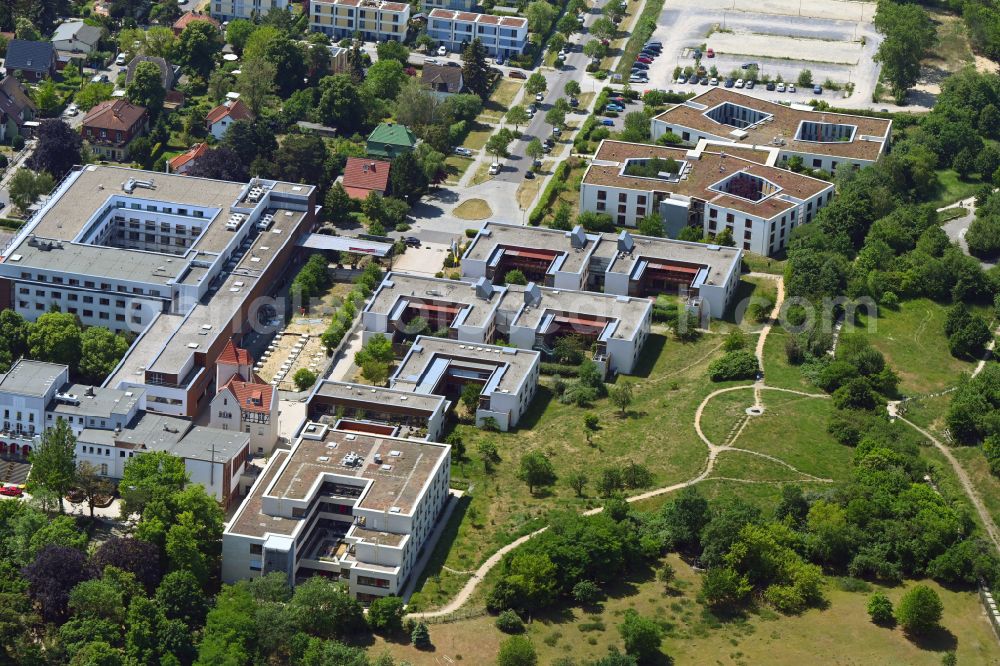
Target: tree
x=536 y=470
x=393 y=50
x=919 y=610
x=540 y=15
x=238 y=32
x=55 y=571
x=509 y=622
x=603 y=28
x=197 y=47
x=595 y=49
x=135 y=556
x=880 y=609
x=57 y=149
x=535 y=84
x=92 y=485
x=386 y=615
x=516 y=651
x=378 y=348
x=47 y=99
x=517 y=116
x=407 y=180
x=384 y=79
x=146 y=88
x=53 y=462
x=964 y=163
x=621 y=395
x=153 y=476
x=642 y=636
x=651 y=225
x=100 y=352
x=805 y=78
x=515 y=276
x=325 y=609
x=724 y=589
x=302 y=159
x=375 y=372
x=572 y=88
x=420 y=637
x=92 y=94
x=25 y=29
x=578 y=482
x=725 y=238
x=488 y=452
x=470 y=396
x=555 y=117
x=499 y=143
x=304 y=378
x=256 y=83
x=635 y=127
x=475 y=71
x=534 y=149
x=908 y=34
x=26 y=186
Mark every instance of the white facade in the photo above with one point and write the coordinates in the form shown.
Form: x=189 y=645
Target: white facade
x=500 y=35
x=227 y=10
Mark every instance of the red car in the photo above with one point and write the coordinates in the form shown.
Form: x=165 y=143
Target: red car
x=710 y=53
x=644 y=60
x=516 y=74
x=11 y=491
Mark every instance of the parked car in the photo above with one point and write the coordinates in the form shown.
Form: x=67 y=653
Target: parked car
x=640 y=65
x=442 y=51
x=681 y=79
x=739 y=83
x=606 y=42
x=549 y=142
x=617 y=99
x=72 y=110
x=748 y=65
x=120 y=60
x=697 y=54
x=710 y=53
x=580 y=19
x=693 y=80
x=430 y=61
x=517 y=74
x=654 y=43
x=655 y=46
x=536 y=163
x=713 y=81
x=494 y=168
x=644 y=59
x=791 y=87
x=546 y=149
x=749 y=85
x=529 y=175
x=464 y=152
x=539 y=97
x=574 y=102
x=412 y=241
x=614 y=107
x=781 y=87
x=556 y=131
x=607 y=122
x=638 y=78
x=817 y=90
x=11 y=491
x=704 y=81
x=770 y=85
x=499 y=60
x=730 y=83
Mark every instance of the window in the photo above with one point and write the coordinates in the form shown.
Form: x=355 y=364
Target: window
x=817 y=163
x=729 y=217
x=601 y=206
x=105 y=301
x=256 y=549
x=713 y=213
x=622 y=197
x=640 y=200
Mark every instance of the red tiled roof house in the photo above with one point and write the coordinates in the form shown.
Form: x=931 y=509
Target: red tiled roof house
x=244 y=401
x=363 y=175
x=185 y=161
x=110 y=127
x=219 y=119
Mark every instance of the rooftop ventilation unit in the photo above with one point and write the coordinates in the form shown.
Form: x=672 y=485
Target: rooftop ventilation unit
x=577 y=237
x=484 y=289
x=625 y=242
x=235 y=221
x=532 y=294
x=131 y=184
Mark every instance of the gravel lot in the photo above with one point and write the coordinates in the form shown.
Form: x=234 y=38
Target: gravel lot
x=782 y=36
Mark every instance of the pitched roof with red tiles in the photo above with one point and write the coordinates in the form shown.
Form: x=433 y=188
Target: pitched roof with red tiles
x=117 y=114
x=251 y=396
x=363 y=175
x=236 y=110
x=191 y=17
x=191 y=155
x=233 y=355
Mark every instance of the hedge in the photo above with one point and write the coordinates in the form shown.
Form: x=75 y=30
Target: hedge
x=551 y=191
x=559 y=369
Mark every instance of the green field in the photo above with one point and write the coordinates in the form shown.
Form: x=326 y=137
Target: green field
x=777 y=371
x=840 y=634
x=913 y=341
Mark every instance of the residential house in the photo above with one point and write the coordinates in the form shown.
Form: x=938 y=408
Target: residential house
x=244 y=402
x=363 y=175
x=458 y=5
x=181 y=164
x=111 y=126
x=389 y=140
x=823 y=140
x=16 y=109
x=502 y=36
x=374 y=20
x=168 y=73
x=75 y=36
x=227 y=10
x=34 y=60
x=443 y=80
x=712 y=187
x=188 y=18
x=223 y=116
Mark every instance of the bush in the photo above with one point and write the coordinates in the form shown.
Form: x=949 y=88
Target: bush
x=586 y=592
x=471 y=233
x=18 y=142
x=304 y=378
x=734 y=365
x=559 y=369
x=509 y=622
x=880 y=609
x=919 y=610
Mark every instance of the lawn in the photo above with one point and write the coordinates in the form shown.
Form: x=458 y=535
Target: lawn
x=499 y=102
x=952 y=188
x=760 y=264
x=746 y=466
x=527 y=191
x=913 y=341
x=777 y=370
x=986 y=484
x=569 y=191
x=455 y=165
x=472 y=209
x=667 y=389
x=952 y=51
x=478 y=136
x=841 y=632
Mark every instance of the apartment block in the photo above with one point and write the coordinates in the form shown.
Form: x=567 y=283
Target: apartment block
x=507 y=377
x=823 y=140
x=183 y=263
x=502 y=36
x=711 y=187
x=345 y=505
x=379 y=411
x=405 y=306
x=227 y=10
x=622 y=264
x=375 y=20
x=112 y=426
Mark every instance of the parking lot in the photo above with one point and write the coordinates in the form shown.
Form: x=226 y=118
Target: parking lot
x=833 y=39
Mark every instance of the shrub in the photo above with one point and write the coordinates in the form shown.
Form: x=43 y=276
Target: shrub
x=559 y=369
x=586 y=592
x=471 y=233
x=880 y=609
x=919 y=610
x=509 y=622
x=740 y=364
x=304 y=378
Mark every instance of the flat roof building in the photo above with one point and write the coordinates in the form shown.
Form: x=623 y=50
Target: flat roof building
x=345 y=505
x=359 y=408
x=623 y=264
x=180 y=261
x=502 y=36
x=706 y=187
x=823 y=140
x=507 y=377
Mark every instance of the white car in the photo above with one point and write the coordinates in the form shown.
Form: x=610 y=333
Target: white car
x=791 y=87
x=713 y=82
x=539 y=97
x=781 y=87
x=442 y=51
x=430 y=61
x=494 y=168
x=464 y=152
x=120 y=60
x=739 y=83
